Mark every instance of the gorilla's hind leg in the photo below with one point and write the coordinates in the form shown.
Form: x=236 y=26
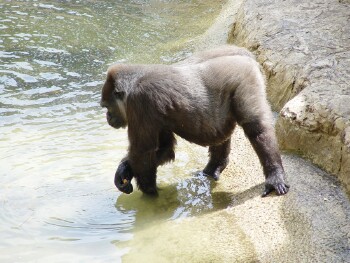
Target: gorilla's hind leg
x=218 y=159
x=261 y=136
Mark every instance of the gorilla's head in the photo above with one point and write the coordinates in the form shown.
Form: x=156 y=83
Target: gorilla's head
x=114 y=99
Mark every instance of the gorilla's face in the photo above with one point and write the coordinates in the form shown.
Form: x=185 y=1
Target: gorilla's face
x=115 y=102
x=116 y=114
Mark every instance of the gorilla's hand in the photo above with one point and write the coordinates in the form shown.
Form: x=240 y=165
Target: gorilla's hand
x=123 y=176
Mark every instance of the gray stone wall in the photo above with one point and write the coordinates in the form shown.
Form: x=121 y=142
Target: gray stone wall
x=304 y=48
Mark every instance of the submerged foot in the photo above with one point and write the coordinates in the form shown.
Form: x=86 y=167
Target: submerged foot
x=215 y=175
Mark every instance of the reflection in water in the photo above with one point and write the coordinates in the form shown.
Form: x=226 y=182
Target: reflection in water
x=185 y=222
x=188 y=197
x=163 y=218
x=58 y=155
x=191 y=196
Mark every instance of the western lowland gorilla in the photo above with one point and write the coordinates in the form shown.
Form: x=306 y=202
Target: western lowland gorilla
x=200 y=99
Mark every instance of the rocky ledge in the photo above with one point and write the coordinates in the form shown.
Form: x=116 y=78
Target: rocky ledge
x=304 y=47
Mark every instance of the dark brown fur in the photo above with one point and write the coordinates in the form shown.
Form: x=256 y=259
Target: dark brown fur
x=200 y=99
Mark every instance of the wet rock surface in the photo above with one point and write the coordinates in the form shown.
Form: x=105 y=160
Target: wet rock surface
x=304 y=48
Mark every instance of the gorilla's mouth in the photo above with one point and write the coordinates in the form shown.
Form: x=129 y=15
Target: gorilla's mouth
x=108 y=116
x=115 y=122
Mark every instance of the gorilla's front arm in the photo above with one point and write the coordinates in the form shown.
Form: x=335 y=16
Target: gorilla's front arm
x=164 y=153
x=150 y=146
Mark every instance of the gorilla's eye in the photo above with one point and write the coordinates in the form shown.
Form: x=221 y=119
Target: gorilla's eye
x=119 y=95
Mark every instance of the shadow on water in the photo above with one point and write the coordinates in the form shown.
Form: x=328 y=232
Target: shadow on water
x=191 y=197
x=186 y=217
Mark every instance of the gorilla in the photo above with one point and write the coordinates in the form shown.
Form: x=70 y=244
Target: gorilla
x=200 y=99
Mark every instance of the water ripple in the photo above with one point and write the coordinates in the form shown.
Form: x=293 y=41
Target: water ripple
x=58 y=154
x=25 y=77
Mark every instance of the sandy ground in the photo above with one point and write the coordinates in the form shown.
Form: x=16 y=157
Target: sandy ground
x=309 y=224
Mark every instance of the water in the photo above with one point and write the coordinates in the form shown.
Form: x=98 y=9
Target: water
x=58 y=155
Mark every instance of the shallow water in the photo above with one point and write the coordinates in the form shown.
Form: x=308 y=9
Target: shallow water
x=58 y=155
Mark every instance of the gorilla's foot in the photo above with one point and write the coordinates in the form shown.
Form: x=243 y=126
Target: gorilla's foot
x=151 y=191
x=215 y=174
x=277 y=184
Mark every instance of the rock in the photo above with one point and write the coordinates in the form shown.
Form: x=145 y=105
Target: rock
x=304 y=48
